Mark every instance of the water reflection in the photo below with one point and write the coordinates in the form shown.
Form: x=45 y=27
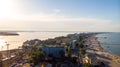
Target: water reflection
x=2 y=43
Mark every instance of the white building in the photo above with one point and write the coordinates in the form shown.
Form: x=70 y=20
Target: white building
x=53 y=50
x=73 y=44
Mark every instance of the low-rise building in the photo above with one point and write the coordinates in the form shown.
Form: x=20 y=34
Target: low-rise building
x=89 y=58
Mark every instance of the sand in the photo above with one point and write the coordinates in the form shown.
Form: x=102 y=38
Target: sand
x=111 y=60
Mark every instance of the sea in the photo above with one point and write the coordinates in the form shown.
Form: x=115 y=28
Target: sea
x=109 y=41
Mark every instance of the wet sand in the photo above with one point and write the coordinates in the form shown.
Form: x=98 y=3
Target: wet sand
x=111 y=60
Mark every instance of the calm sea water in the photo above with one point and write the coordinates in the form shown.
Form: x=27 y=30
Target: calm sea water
x=110 y=42
x=16 y=41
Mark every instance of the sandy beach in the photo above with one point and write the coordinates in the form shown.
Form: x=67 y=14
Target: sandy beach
x=94 y=47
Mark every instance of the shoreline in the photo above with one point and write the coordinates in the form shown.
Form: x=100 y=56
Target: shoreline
x=102 y=49
x=101 y=54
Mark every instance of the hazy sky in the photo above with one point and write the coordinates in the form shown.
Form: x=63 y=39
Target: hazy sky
x=60 y=15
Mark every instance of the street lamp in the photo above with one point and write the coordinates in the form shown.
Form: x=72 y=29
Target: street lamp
x=7 y=49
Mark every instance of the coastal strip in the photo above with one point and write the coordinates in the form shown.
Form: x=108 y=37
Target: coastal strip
x=92 y=52
x=110 y=59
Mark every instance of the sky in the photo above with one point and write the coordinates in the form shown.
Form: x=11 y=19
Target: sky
x=60 y=15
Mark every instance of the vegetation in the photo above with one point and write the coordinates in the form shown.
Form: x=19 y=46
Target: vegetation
x=1 y=56
x=80 y=44
x=82 y=51
x=32 y=42
x=87 y=65
x=69 y=50
x=36 y=56
x=74 y=59
x=1 y=59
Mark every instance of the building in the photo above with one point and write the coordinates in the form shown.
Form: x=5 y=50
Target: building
x=32 y=42
x=55 y=51
x=73 y=44
x=89 y=58
x=74 y=36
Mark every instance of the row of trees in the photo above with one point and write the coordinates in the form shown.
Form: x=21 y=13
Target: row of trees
x=82 y=48
x=80 y=44
x=82 y=51
x=35 y=55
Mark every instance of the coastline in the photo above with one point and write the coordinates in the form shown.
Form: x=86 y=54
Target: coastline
x=101 y=54
x=102 y=49
x=94 y=46
x=111 y=55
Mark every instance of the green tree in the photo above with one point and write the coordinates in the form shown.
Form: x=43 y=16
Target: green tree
x=1 y=59
x=87 y=65
x=82 y=51
x=74 y=59
x=80 y=43
x=69 y=50
x=36 y=57
x=1 y=56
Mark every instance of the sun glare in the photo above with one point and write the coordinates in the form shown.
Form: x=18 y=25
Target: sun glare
x=2 y=42
x=7 y=8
